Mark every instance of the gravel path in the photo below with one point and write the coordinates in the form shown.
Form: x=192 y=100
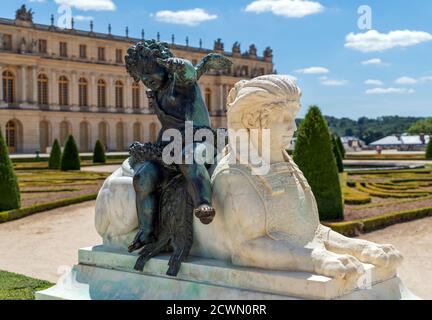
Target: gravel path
x=38 y=245
x=413 y=239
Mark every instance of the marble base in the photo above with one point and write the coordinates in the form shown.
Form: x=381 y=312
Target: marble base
x=107 y=274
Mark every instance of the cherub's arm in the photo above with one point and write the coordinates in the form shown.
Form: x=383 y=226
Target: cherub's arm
x=182 y=70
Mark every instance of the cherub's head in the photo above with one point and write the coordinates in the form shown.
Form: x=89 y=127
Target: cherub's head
x=141 y=63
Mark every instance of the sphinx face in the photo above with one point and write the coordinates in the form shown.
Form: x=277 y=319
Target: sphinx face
x=282 y=127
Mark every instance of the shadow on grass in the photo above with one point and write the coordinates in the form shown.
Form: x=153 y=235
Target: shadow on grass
x=18 y=287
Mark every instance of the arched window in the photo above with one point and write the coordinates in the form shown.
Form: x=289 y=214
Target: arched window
x=11 y=136
x=101 y=93
x=42 y=81
x=84 y=136
x=82 y=92
x=136 y=95
x=103 y=133
x=8 y=87
x=119 y=94
x=64 y=132
x=153 y=132
x=120 y=136
x=137 y=131
x=44 y=135
x=63 y=91
x=208 y=98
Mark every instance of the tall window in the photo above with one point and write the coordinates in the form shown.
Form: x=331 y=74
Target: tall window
x=8 y=87
x=83 y=51
x=136 y=95
x=7 y=42
x=119 y=55
x=137 y=131
x=11 y=136
x=65 y=131
x=42 y=46
x=208 y=99
x=82 y=92
x=103 y=133
x=42 y=89
x=63 y=49
x=101 y=54
x=101 y=93
x=119 y=94
x=153 y=132
x=63 y=91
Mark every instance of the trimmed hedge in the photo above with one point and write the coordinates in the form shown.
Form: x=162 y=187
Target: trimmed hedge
x=429 y=150
x=337 y=154
x=55 y=158
x=27 y=211
x=10 y=197
x=355 y=227
x=340 y=146
x=99 y=153
x=314 y=156
x=70 y=158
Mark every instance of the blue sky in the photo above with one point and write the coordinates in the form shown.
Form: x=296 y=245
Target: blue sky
x=310 y=39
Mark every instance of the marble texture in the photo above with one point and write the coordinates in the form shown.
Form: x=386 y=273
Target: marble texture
x=107 y=274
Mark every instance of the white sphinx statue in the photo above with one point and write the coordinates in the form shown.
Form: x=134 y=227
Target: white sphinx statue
x=267 y=221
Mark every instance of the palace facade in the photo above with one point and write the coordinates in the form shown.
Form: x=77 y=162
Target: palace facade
x=56 y=82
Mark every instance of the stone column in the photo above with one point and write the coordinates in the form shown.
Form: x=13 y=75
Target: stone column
x=110 y=93
x=35 y=84
x=23 y=84
x=53 y=88
x=1 y=85
x=93 y=91
x=73 y=95
x=220 y=104
x=128 y=92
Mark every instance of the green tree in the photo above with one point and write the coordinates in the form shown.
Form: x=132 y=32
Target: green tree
x=429 y=150
x=421 y=126
x=99 y=153
x=55 y=156
x=10 y=197
x=337 y=153
x=70 y=158
x=314 y=156
x=340 y=146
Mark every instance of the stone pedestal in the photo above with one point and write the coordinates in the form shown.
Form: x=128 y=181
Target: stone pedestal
x=106 y=274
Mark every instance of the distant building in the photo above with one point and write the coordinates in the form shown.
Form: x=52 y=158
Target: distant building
x=352 y=143
x=56 y=82
x=403 y=142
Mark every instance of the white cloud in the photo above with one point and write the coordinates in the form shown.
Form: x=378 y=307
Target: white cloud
x=313 y=70
x=375 y=61
x=286 y=8
x=85 y=5
x=83 y=18
x=374 y=41
x=37 y=1
x=333 y=82
x=406 y=80
x=390 y=91
x=374 y=82
x=426 y=79
x=191 y=17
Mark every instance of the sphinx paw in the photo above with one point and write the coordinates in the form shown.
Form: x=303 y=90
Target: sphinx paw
x=339 y=266
x=381 y=255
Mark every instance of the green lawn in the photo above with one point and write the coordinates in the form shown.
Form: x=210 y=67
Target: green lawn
x=18 y=287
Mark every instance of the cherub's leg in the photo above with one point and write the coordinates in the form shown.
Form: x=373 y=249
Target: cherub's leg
x=368 y=252
x=145 y=182
x=199 y=187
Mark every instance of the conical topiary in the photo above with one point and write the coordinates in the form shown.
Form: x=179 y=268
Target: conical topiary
x=314 y=156
x=340 y=146
x=337 y=154
x=55 y=156
x=10 y=197
x=429 y=150
x=99 y=153
x=70 y=158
